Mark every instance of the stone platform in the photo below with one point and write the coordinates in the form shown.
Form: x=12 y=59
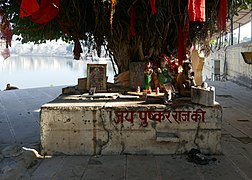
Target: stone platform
x=115 y=124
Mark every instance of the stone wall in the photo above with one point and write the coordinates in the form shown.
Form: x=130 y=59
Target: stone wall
x=234 y=65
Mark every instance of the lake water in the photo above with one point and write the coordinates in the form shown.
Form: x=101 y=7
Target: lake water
x=36 y=71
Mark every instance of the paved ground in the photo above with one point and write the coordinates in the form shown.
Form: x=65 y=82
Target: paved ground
x=19 y=126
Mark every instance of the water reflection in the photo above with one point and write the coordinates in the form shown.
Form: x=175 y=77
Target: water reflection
x=37 y=71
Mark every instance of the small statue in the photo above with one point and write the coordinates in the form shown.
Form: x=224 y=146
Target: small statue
x=147 y=77
x=185 y=80
x=165 y=80
x=155 y=78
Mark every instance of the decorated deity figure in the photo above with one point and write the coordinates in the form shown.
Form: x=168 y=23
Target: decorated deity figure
x=185 y=80
x=147 y=77
x=165 y=79
x=155 y=78
x=164 y=75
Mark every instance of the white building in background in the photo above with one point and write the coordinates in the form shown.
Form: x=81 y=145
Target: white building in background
x=50 y=48
x=53 y=48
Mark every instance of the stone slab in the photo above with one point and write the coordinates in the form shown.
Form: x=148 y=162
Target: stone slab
x=203 y=96
x=136 y=74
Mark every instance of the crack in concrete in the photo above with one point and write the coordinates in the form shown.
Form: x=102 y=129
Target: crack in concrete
x=196 y=135
x=123 y=148
x=102 y=144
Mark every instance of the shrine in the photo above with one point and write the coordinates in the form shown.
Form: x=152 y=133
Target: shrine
x=110 y=123
x=158 y=103
x=93 y=118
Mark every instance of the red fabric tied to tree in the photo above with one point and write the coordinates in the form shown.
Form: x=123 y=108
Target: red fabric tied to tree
x=182 y=37
x=153 y=6
x=5 y=29
x=48 y=10
x=196 y=10
x=42 y=13
x=77 y=49
x=5 y=34
x=222 y=15
x=28 y=7
x=132 y=20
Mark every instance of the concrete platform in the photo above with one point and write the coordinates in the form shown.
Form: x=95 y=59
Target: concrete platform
x=19 y=126
x=100 y=125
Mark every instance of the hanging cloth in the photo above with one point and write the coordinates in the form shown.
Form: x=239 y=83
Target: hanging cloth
x=40 y=13
x=196 y=10
x=5 y=30
x=48 y=10
x=182 y=39
x=77 y=49
x=28 y=7
x=132 y=13
x=153 y=6
x=5 y=34
x=181 y=47
x=222 y=15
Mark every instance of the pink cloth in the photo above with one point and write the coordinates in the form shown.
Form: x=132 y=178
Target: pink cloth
x=5 y=53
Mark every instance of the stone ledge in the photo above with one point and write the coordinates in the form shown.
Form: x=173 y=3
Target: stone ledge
x=74 y=126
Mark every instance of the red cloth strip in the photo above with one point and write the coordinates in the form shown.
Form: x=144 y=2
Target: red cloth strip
x=132 y=20
x=222 y=15
x=196 y=10
x=180 y=44
x=28 y=7
x=77 y=49
x=153 y=6
x=49 y=9
x=182 y=39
